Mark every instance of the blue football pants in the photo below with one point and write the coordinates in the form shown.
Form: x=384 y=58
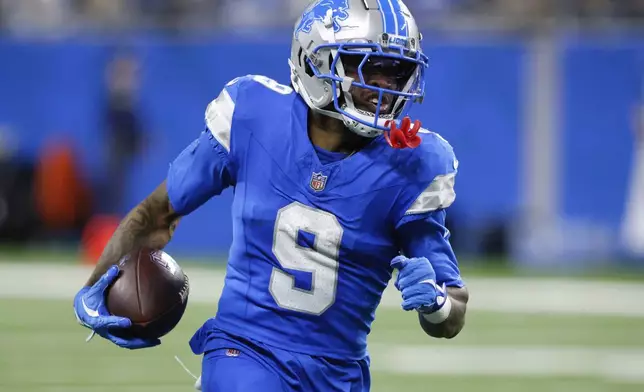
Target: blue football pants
x=241 y=365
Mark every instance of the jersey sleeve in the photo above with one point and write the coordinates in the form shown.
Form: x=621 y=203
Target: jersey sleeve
x=205 y=168
x=428 y=237
x=420 y=212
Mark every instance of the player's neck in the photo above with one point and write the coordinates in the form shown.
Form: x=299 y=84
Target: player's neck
x=331 y=134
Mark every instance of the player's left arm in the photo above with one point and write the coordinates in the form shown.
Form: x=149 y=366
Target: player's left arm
x=428 y=273
x=441 y=303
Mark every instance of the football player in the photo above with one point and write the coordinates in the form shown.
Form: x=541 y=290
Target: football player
x=334 y=189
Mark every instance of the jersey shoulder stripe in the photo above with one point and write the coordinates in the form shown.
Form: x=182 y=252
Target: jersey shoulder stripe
x=219 y=113
x=441 y=165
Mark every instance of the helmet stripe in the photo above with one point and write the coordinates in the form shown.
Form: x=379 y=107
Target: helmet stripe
x=393 y=20
x=388 y=20
x=401 y=21
x=394 y=15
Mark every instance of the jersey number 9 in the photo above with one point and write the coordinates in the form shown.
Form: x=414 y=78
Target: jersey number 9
x=321 y=261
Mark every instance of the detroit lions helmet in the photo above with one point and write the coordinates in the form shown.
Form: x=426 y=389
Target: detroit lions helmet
x=337 y=44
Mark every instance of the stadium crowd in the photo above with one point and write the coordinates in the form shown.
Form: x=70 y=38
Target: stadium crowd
x=45 y=16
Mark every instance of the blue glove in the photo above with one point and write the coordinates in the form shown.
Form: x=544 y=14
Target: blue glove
x=417 y=283
x=91 y=312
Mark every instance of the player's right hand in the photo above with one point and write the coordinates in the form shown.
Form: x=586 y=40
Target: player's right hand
x=91 y=312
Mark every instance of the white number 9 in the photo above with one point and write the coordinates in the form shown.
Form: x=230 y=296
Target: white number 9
x=321 y=261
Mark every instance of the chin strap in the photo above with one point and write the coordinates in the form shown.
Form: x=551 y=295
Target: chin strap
x=405 y=136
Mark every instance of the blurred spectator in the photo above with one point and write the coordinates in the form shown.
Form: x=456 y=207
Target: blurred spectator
x=123 y=129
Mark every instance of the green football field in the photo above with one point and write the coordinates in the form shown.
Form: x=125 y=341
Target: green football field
x=517 y=344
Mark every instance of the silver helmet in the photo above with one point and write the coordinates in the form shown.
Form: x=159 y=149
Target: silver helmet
x=337 y=43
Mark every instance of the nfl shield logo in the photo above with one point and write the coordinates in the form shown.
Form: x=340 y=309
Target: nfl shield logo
x=318 y=181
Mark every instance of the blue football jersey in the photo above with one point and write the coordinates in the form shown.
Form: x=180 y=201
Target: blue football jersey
x=312 y=239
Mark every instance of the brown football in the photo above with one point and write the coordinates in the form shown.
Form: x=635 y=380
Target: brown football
x=151 y=290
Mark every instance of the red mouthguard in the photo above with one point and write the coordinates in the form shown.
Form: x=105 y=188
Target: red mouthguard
x=405 y=136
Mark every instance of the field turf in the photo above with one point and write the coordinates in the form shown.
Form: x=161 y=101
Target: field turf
x=43 y=349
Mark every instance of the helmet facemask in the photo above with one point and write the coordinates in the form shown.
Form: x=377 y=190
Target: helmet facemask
x=370 y=85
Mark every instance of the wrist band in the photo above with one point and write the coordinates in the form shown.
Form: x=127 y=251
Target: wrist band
x=441 y=314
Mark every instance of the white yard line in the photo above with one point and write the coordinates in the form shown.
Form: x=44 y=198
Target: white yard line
x=611 y=364
x=508 y=295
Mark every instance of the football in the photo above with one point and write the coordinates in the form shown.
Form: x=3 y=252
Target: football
x=151 y=290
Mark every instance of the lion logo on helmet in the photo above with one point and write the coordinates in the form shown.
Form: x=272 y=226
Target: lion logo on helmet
x=319 y=11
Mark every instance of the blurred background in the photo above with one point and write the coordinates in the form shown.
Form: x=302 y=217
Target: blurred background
x=543 y=101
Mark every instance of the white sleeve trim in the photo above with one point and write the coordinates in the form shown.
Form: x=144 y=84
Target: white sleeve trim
x=219 y=118
x=439 y=194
